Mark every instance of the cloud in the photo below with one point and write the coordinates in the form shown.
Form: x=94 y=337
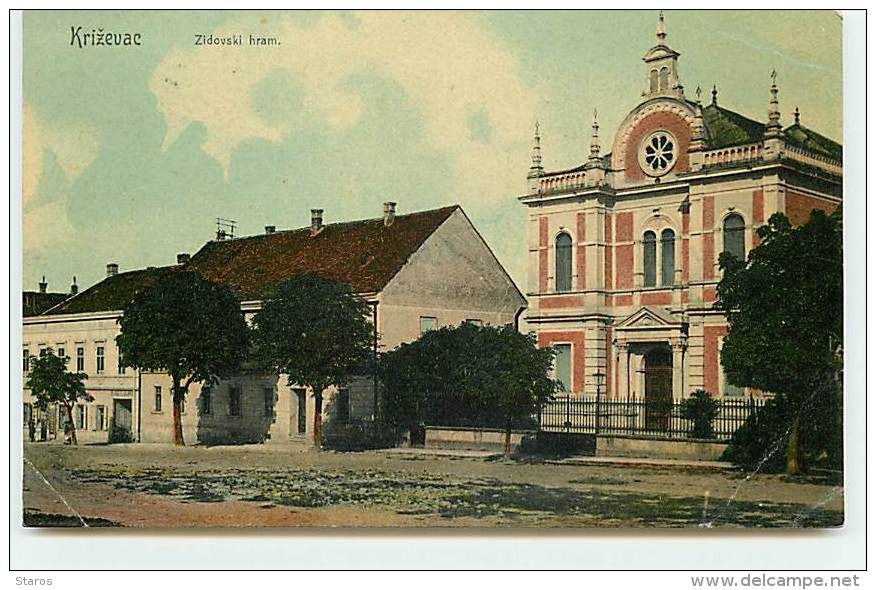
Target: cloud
x=450 y=68
x=53 y=155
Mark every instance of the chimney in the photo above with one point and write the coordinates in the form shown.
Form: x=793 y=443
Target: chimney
x=269 y=229
x=388 y=213
x=44 y=285
x=74 y=288
x=112 y=269
x=183 y=258
x=315 y=221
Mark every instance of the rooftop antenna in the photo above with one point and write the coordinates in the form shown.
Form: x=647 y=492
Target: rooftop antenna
x=225 y=228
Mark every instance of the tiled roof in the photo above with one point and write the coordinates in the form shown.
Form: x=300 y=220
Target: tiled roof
x=36 y=302
x=365 y=254
x=800 y=136
x=726 y=128
x=113 y=293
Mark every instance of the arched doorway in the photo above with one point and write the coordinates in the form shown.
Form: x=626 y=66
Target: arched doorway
x=658 y=387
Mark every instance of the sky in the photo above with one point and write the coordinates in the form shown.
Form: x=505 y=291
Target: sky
x=131 y=153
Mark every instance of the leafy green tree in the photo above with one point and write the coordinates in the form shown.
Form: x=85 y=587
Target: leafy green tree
x=187 y=326
x=701 y=409
x=51 y=383
x=317 y=332
x=784 y=306
x=467 y=376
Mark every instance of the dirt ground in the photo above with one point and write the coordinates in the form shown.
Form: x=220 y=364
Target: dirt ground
x=159 y=486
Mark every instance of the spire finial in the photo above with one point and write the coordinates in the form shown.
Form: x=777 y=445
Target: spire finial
x=714 y=94
x=699 y=93
x=536 y=167
x=796 y=115
x=594 y=141
x=661 y=29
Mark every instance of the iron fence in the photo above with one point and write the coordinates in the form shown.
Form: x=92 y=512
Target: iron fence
x=639 y=417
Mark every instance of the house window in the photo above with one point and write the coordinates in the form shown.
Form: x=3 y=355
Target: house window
x=475 y=321
x=100 y=359
x=649 y=258
x=342 y=405
x=80 y=416
x=667 y=257
x=100 y=418
x=25 y=360
x=563 y=248
x=121 y=362
x=42 y=351
x=563 y=366
x=427 y=324
x=157 y=406
x=234 y=401
x=652 y=81
x=206 y=400
x=269 y=401
x=664 y=79
x=734 y=236
x=80 y=358
x=61 y=352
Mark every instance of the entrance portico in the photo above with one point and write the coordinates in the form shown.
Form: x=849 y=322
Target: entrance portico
x=651 y=348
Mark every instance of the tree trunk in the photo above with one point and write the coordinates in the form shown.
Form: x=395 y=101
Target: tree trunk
x=178 y=397
x=794 y=451
x=73 y=440
x=317 y=419
x=508 y=439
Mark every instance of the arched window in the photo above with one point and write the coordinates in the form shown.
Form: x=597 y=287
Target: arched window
x=652 y=81
x=734 y=236
x=649 y=256
x=667 y=257
x=564 y=262
x=664 y=79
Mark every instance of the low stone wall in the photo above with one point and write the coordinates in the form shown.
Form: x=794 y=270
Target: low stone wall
x=474 y=439
x=655 y=448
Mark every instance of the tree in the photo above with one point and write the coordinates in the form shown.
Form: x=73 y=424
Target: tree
x=189 y=327
x=784 y=306
x=467 y=376
x=50 y=382
x=317 y=332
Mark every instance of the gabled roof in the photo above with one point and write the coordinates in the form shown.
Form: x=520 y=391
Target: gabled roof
x=113 y=293
x=364 y=254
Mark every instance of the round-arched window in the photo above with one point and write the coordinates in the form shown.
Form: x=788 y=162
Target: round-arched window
x=658 y=153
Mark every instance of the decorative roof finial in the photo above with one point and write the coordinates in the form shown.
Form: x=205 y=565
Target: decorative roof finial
x=774 y=115
x=699 y=93
x=661 y=29
x=796 y=115
x=594 y=141
x=536 y=166
x=714 y=94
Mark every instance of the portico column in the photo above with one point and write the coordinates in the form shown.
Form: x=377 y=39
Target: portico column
x=678 y=384
x=622 y=388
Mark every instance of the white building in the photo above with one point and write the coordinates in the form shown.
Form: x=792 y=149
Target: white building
x=417 y=272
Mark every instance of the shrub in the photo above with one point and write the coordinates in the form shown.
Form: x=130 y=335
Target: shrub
x=702 y=409
x=359 y=434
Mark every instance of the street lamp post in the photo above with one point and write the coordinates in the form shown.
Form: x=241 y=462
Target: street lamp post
x=599 y=378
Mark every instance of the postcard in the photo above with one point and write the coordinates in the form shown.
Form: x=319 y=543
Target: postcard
x=417 y=269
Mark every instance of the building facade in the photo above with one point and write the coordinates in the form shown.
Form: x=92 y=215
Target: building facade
x=417 y=272
x=623 y=248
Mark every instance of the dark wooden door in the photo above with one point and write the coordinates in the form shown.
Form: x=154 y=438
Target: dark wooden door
x=658 y=389
x=121 y=431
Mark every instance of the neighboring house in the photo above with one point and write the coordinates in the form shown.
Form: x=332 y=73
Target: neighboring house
x=36 y=302
x=418 y=272
x=623 y=249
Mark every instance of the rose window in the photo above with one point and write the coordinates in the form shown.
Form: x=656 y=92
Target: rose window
x=658 y=153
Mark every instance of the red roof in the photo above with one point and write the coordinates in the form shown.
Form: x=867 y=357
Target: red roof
x=364 y=254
